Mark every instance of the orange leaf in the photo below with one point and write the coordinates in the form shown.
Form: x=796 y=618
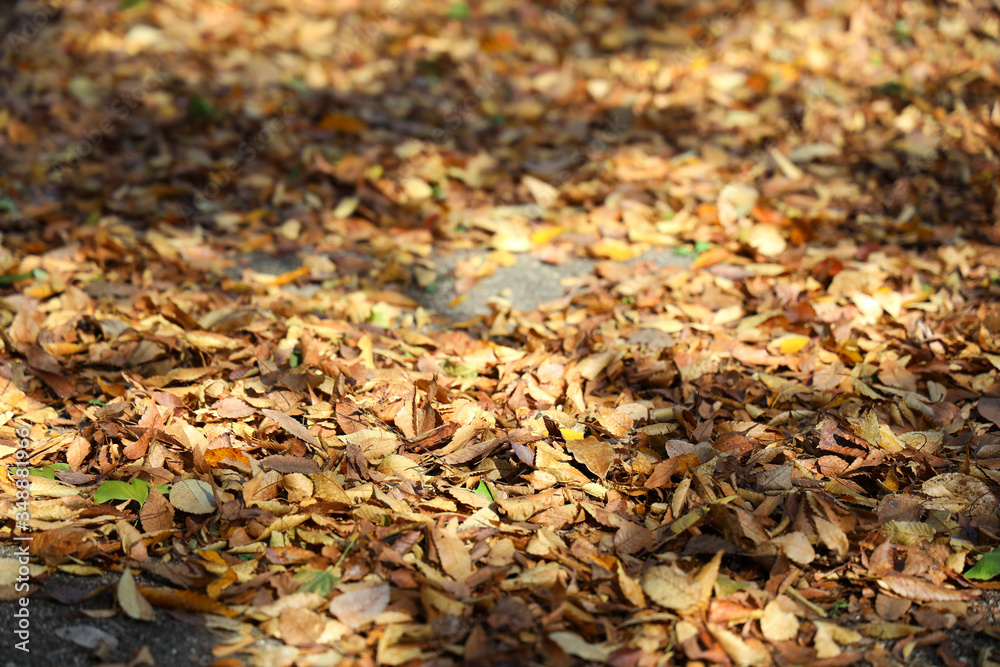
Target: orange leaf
x=290 y=277
x=338 y=122
x=769 y=216
x=708 y=211
x=218 y=457
x=710 y=258
x=169 y=598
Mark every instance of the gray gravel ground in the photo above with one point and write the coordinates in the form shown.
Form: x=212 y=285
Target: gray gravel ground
x=170 y=641
x=527 y=284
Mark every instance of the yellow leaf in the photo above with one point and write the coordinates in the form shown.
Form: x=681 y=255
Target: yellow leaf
x=792 y=344
x=367 y=356
x=630 y=588
x=546 y=234
x=615 y=249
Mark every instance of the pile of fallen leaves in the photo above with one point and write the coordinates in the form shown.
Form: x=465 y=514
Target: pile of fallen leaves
x=787 y=452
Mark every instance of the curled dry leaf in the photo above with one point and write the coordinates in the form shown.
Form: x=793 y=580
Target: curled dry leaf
x=132 y=543
x=88 y=637
x=171 y=598
x=131 y=600
x=919 y=590
x=832 y=536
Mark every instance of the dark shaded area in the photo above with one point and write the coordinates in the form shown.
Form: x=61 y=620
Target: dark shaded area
x=433 y=96
x=169 y=640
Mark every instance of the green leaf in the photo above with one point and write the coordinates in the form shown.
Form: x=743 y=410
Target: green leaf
x=200 y=109
x=137 y=490
x=316 y=581
x=458 y=370
x=140 y=491
x=458 y=10
x=13 y=278
x=113 y=490
x=987 y=567
x=7 y=205
x=378 y=317
x=49 y=471
x=484 y=490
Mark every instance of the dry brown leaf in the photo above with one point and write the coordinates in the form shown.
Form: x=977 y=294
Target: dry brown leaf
x=668 y=586
x=192 y=496
x=131 y=600
x=912 y=588
x=291 y=426
x=745 y=653
x=359 y=603
x=796 y=546
x=778 y=625
x=452 y=551
x=596 y=455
